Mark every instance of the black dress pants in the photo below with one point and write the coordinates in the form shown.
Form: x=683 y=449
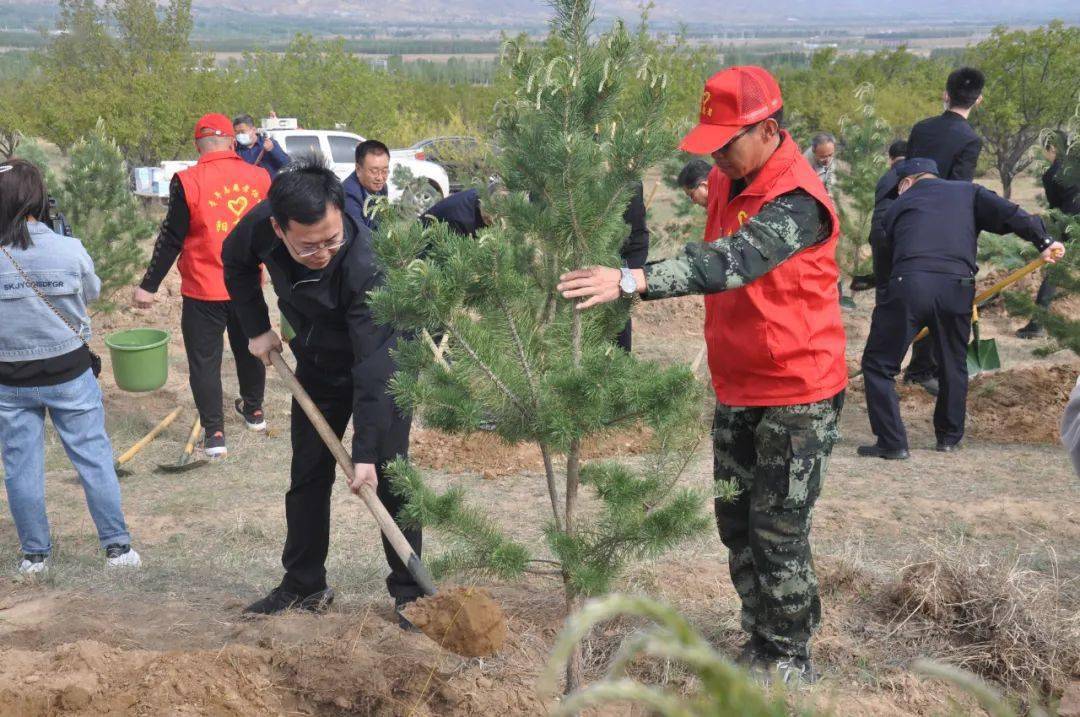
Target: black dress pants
x=307 y=503
x=912 y=300
x=203 y=323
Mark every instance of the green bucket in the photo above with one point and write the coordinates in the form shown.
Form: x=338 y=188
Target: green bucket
x=140 y=358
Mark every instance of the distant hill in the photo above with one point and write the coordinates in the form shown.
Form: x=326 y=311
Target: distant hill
x=772 y=12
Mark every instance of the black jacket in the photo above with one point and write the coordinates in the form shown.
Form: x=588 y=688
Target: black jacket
x=884 y=196
x=1059 y=193
x=635 y=250
x=335 y=331
x=460 y=210
x=949 y=140
x=935 y=225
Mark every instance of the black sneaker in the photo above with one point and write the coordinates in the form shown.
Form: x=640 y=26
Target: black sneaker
x=402 y=621
x=279 y=600
x=253 y=416
x=1032 y=331
x=214 y=445
x=889 y=454
x=942 y=447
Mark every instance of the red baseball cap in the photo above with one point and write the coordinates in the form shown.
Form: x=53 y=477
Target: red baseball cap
x=733 y=98
x=214 y=125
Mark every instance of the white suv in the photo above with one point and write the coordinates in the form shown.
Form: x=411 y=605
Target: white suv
x=337 y=145
x=340 y=148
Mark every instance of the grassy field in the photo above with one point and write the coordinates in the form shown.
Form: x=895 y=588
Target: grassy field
x=899 y=547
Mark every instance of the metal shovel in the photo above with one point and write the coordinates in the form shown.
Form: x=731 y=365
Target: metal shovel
x=367 y=494
x=185 y=463
x=982 y=354
x=143 y=442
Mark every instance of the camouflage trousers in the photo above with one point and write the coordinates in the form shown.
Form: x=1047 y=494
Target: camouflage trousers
x=775 y=457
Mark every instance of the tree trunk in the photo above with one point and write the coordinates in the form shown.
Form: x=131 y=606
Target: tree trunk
x=573 y=665
x=1006 y=184
x=573 y=477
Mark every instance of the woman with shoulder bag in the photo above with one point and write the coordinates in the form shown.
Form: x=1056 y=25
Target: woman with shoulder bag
x=46 y=281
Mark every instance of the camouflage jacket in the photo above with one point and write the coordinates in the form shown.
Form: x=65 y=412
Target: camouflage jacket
x=784 y=226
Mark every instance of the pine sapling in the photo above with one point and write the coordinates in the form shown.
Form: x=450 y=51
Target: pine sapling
x=584 y=121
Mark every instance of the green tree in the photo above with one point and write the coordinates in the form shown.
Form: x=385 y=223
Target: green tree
x=1066 y=228
x=863 y=138
x=125 y=63
x=1031 y=83
x=574 y=144
x=95 y=197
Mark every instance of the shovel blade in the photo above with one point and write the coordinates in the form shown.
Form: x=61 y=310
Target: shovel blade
x=182 y=467
x=982 y=355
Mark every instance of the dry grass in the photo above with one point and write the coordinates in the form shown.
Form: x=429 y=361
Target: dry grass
x=991 y=616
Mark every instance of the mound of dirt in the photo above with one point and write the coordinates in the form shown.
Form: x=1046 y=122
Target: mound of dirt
x=486 y=454
x=1020 y=406
x=466 y=621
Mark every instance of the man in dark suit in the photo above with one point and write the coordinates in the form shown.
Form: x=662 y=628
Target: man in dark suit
x=953 y=144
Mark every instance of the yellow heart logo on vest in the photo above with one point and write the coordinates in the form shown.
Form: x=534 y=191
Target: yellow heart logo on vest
x=238 y=206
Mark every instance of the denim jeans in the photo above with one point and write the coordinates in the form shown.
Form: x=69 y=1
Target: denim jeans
x=79 y=417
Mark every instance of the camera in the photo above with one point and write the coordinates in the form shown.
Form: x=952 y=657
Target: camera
x=55 y=219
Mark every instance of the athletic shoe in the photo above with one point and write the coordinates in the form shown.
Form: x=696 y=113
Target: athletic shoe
x=947 y=447
x=889 y=454
x=253 y=417
x=793 y=672
x=121 y=556
x=279 y=600
x=214 y=445
x=34 y=564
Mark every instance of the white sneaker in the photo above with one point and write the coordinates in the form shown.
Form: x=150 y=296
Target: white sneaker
x=33 y=564
x=122 y=556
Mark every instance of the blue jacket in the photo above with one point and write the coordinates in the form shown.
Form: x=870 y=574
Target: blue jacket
x=356 y=197
x=460 y=210
x=272 y=161
x=62 y=270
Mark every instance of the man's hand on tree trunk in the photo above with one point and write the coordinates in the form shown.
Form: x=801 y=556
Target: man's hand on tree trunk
x=596 y=285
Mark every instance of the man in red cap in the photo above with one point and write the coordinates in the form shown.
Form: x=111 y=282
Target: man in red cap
x=775 y=339
x=205 y=203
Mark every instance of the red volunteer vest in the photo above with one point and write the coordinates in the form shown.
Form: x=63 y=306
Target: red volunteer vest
x=220 y=190
x=779 y=340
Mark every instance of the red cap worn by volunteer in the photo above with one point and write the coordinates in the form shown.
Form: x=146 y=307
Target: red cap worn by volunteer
x=214 y=125
x=733 y=98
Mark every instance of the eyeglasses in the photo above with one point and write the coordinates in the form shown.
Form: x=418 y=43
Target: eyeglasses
x=325 y=246
x=6 y=167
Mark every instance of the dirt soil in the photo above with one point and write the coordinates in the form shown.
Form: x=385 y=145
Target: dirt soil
x=169 y=640
x=465 y=621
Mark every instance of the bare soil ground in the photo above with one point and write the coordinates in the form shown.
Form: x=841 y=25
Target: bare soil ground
x=168 y=639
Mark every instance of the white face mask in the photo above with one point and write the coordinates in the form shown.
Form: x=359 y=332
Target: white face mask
x=243 y=139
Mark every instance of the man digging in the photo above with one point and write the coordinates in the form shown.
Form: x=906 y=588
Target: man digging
x=320 y=262
x=776 y=352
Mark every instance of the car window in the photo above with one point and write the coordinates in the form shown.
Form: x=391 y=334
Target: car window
x=302 y=144
x=343 y=148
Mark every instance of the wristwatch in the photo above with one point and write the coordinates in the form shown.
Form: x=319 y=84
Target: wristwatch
x=627 y=283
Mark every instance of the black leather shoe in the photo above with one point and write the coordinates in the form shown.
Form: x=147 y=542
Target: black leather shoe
x=1031 y=331
x=889 y=454
x=929 y=384
x=279 y=600
x=402 y=621
x=947 y=447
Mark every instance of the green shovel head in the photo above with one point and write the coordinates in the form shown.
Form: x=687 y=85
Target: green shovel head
x=982 y=354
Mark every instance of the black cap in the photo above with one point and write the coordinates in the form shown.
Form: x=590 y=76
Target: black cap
x=916 y=165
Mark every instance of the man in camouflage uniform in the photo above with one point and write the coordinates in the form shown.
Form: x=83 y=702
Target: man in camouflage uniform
x=776 y=353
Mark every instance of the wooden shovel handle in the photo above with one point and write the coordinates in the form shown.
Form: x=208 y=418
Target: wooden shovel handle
x=367 y=494
x=192 y=437
x=142 y=442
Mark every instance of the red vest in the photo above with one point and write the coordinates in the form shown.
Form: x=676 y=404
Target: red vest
x=220 y=189
x=779 y=340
